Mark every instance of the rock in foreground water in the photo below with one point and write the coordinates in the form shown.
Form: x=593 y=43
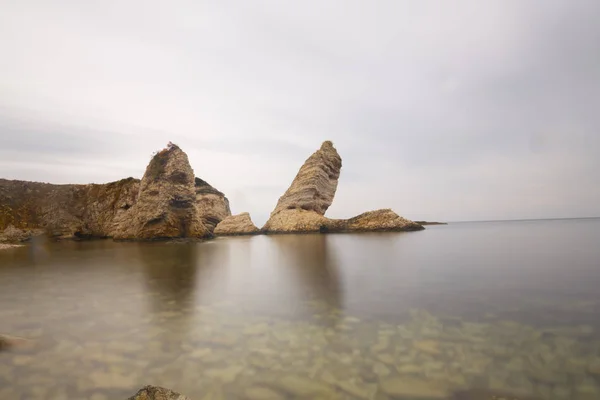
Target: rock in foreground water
x=157 y=393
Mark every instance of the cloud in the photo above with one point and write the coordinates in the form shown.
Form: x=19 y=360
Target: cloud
x=462 y=110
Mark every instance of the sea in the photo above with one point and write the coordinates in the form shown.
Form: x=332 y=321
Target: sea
x=468 y=310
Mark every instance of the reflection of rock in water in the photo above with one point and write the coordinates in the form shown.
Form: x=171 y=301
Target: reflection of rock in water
x=170 y=277
x=312 y=267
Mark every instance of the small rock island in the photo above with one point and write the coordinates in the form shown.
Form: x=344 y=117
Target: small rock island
x=170 y=202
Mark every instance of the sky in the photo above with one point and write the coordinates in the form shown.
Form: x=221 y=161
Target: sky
x=461 y=110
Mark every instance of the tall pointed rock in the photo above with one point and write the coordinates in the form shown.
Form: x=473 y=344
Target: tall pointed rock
x=165 y=206
x=302 y=206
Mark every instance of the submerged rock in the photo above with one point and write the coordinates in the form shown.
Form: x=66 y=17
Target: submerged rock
x=302 y=207
x=412 y=389
x=4 y=246
x=14 y=342
x=239 y=224
x=165 y=207
x=157 y=393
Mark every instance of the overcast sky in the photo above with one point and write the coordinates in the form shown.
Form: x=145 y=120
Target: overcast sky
x=441 y=110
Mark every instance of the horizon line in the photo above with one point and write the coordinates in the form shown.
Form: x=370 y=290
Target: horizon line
x=522 y=219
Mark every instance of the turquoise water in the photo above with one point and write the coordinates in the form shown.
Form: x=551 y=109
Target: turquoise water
x=467 y=309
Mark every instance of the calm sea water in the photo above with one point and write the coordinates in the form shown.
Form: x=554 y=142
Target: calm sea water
x=467 y=309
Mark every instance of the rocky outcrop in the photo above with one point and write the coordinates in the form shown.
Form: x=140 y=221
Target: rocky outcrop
x=378 y=220
x=302 y=208
x=169 y=202
x=165 y=207
x=240 y=224
x=315 y=184
x=157 y=393
x=62 y=211
x=212 y=206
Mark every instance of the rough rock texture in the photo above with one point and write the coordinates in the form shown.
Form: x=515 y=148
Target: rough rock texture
x=302 y=207
x=239 y=224
x=290 y=221
x=157 y=393
x=379 y=220
x=165 y=207
x=211 y=205
x=64 y=211
x=315 y=184
x=169 y=202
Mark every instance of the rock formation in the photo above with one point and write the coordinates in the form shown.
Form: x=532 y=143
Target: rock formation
x=157 y=393
x=168 y=202
x=315 y=184
x=62 y=211
x=378 y=220
x=211 y=205
x=165 y=207
x=302 y=207
x=239 y=224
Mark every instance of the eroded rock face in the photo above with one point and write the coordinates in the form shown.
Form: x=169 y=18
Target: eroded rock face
x=302 y=207
x=165 y=206
x=62 y=211
x=212 y=205
x=169 y=202
x=310 y=194
x=157 y=393
x=240 y=224
x=313 y=188
x=379 y=220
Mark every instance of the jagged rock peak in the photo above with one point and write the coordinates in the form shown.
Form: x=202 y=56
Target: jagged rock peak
x=165 y=207
x=240 y=224
x=314 y=186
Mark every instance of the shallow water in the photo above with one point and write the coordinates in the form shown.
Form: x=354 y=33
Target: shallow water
x=500 y=306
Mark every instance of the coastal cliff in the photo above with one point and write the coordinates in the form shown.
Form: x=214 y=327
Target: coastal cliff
x=302 y=207
x=169 y=202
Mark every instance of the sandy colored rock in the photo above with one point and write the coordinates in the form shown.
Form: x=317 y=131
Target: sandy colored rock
x=312 y=191
x=314 y=186
x=240 y=224
x=157 y=393
x=29 y=209
x=211 y=205
x=427 y=346
x=380 y=220
x=165 y=207
x=302 y=207
x=168 y=202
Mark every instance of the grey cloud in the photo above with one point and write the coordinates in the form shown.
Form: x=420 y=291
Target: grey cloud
x=461 y=110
